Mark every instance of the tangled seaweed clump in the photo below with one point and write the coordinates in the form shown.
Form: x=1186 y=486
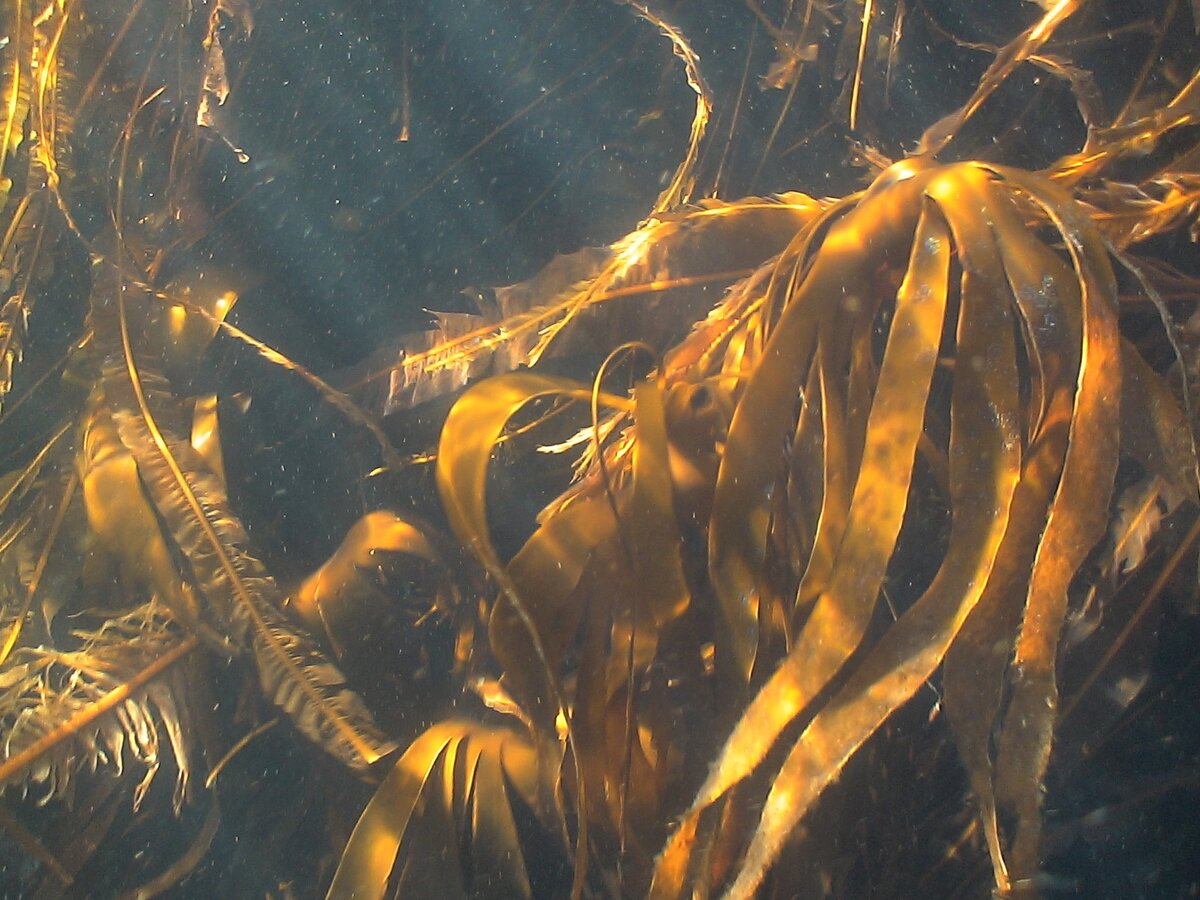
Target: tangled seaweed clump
x=785 y=546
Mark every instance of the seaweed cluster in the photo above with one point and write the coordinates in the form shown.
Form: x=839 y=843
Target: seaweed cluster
x=787 y=545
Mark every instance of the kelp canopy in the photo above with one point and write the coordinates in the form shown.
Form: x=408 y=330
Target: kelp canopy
x=813 y=513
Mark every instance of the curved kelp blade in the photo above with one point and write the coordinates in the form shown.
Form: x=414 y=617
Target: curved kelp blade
x=472 y=430
x=455 y=781
x=123 y=524
x=370 y=855
x=653 y=536
x=976 y=663
x=856 y=245
x=629 y=535
x=342 y=597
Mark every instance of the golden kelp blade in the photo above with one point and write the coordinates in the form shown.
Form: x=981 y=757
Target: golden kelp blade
x=342 y=596
x=370 y=855
x=1003 y=266
x=12 y=340
x=16 y=24
x=1076 y=522
x=879 y=227
x=985 y=462
x=974 y=670
x=1036 y=276
x=123 y=523
x=459 y=773
x=472 y=430
x=896 y=420
x=605 y=572
x=650 y=517
x=206 y=435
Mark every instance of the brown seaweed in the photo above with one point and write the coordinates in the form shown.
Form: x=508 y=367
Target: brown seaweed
x=803 y=463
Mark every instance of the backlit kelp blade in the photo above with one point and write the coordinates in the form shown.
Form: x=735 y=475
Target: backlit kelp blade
x=1002 y=264
x=457 y=781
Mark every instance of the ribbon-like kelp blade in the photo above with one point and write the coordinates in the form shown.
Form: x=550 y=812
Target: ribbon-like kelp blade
x=16 y=80
x=835 y=497
x=806 y=476
x=370 y=855
x=495 y=847
x=1077 y=521
x=636 y=585
x=984 y=468
x=453 y=782
x=472 y=429
x=337 y=597
x=1047 y=296
x=546 y=572
x=662 y=591
x=854 y=247
x=121 y=518
x=976 y=662
x=206 y=435
x=839 y=618
x=1046 y=293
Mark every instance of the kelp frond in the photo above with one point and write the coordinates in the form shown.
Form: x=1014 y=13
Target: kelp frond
x=119 y=699
x=240 y=601
x=980 y=278
x=448 y=806
x=676 y=260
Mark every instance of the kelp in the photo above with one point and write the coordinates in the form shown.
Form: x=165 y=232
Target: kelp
x=809 y=470
x=621 y=292
x=1052 y=463
x=457 y=778
x=110 y=703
